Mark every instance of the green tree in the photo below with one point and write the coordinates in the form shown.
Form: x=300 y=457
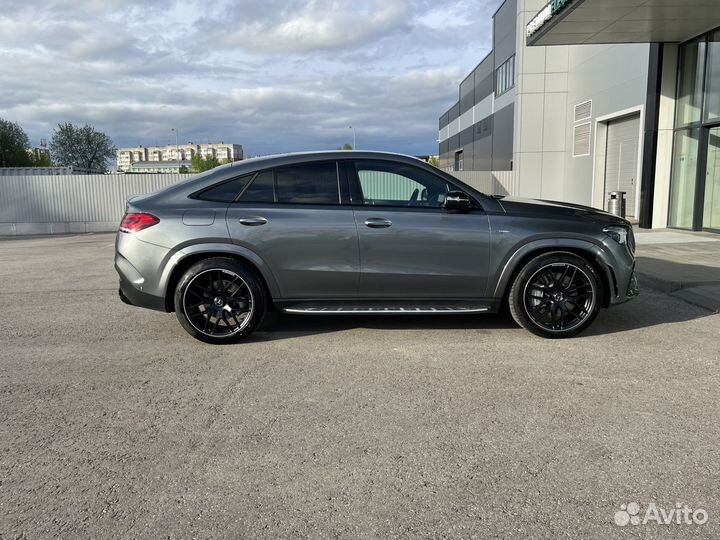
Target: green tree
x=346 y=146
x=200 y=164
x=14 y=145
x=434 y=161
x=183 y=169
x=83 y=147
x=40 y=158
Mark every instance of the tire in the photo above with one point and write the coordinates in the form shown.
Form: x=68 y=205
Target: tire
x=556 y=295
x=220 y=300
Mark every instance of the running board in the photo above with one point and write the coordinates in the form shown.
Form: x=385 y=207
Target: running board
x=383 y=310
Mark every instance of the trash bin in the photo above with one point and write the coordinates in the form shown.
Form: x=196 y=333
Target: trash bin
x=616 y=203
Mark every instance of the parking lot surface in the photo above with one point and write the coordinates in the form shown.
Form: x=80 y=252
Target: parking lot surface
x=116 y=424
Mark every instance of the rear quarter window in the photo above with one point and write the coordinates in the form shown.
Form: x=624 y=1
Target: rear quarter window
x=226 y=191
x=306 y=183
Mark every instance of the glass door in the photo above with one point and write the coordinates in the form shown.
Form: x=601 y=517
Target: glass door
x=711 y=210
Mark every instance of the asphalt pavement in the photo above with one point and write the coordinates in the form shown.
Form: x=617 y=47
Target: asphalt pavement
x=116 y=424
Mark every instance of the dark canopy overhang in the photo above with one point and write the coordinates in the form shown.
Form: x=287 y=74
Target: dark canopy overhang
x=573 y=22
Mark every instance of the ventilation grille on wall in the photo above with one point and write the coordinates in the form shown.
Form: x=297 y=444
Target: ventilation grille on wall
x=583 y=111
x=581 y=140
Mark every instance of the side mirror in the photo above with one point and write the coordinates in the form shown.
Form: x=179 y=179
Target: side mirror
x=458 y=201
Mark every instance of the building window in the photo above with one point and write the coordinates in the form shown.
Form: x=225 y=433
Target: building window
x=690 y=83
x=459 y=161
x=505 y=76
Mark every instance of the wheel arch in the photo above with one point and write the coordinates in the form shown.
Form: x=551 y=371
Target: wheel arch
x=592 y=253
x=188 y=256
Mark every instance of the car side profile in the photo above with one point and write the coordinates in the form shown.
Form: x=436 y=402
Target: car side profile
x=364 y=233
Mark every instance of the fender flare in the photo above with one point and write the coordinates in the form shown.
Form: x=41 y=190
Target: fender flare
x=220 y=248
x=510 y=264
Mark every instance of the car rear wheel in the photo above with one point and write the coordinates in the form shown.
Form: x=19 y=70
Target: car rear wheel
x=219 y=300
x=556 y=295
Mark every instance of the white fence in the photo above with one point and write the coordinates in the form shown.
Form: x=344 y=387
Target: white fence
x=71 y=203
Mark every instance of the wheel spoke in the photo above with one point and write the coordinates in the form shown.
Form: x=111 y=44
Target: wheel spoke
x=191 y=291
x=207 y=321
x=572 y=278
x=241 y=287
x=229 y=285
x=562 y=277
x=540 y=306
x=217 y=320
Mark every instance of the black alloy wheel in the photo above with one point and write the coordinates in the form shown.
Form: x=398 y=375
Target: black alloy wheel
x=219 y=301
x=556 y=295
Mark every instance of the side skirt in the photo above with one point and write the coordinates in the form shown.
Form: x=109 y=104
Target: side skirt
x=388 y=307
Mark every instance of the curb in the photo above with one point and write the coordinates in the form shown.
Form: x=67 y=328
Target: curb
x=682 y=290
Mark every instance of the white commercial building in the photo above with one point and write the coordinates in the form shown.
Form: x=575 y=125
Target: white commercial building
x=578 y=98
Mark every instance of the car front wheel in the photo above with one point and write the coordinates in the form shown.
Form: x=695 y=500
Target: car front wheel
x=219 y=300
x=556 y=295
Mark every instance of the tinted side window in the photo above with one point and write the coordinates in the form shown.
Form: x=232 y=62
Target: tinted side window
x=309 y=183
x=225 y=191
x=261 y=190
x=397 y=184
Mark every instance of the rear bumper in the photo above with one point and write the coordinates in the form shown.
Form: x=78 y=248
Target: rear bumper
x=130 y=295
x=139 y=265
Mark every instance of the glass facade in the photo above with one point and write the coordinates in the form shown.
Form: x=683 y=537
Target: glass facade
x=685 y=163
x=695 y=184
x=712 y=84
x=711 y=211
x=690 y=83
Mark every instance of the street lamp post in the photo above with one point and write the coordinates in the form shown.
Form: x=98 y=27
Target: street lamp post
x=351 y=127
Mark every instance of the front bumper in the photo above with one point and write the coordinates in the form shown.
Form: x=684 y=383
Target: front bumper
x=626 y=286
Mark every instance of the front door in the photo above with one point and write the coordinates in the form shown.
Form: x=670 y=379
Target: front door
x=292 y=217
x=410 y=247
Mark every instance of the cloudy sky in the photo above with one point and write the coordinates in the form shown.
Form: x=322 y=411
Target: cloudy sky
x=273 y=75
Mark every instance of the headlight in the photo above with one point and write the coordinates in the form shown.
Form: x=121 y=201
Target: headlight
x=619 y=234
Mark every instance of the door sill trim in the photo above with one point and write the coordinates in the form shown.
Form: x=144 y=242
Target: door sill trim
x=382 y=310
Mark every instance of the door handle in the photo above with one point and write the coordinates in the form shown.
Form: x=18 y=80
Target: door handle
x=377 y=223
x=253 y=221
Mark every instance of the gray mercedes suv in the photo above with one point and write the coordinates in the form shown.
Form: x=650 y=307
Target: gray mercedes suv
x=364 y=232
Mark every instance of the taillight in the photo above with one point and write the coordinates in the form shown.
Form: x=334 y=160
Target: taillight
x=132 y=223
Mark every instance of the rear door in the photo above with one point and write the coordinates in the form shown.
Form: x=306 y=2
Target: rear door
x=410 y=247
x=294 y=217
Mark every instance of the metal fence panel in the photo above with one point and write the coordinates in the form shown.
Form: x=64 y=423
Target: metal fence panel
x=28 y=202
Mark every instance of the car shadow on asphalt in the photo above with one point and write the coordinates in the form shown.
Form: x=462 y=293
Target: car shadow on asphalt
x=281 y=326
x=651 y=308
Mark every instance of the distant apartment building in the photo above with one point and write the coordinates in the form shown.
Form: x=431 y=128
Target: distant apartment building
x=171 y=157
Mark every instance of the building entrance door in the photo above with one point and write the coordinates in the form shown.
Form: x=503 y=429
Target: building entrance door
x=711 y=210
x=621 y=159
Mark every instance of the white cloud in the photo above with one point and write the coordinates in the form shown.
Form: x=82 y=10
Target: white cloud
x=277 y=75
x=319 y=25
